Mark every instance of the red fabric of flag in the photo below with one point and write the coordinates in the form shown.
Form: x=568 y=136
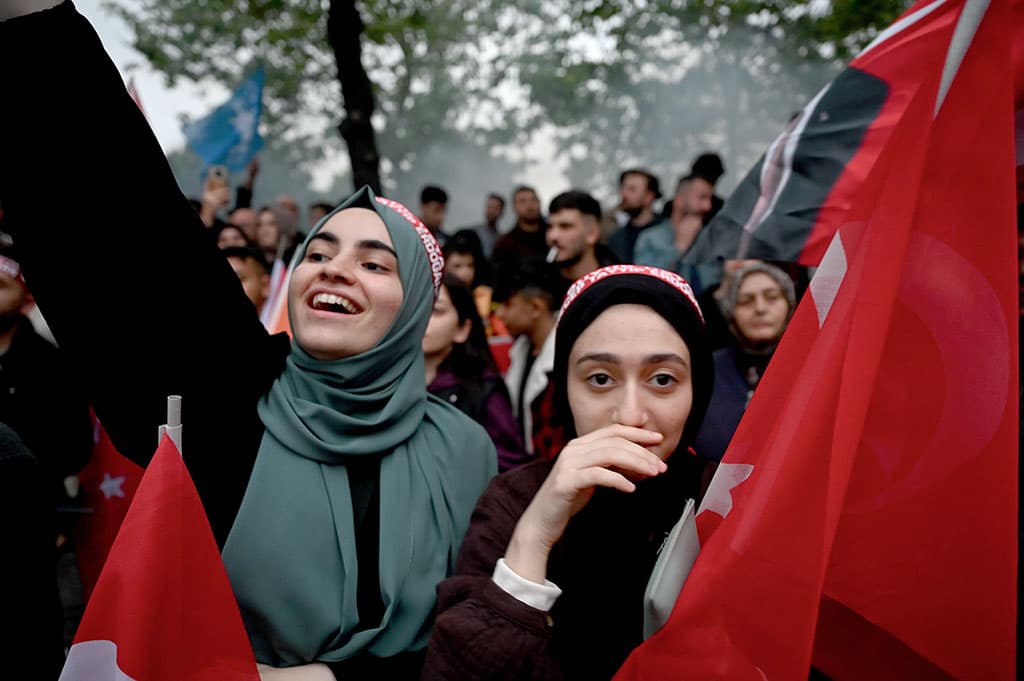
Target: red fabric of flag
x=108 y=485
x=865 y=514
x=163 y=609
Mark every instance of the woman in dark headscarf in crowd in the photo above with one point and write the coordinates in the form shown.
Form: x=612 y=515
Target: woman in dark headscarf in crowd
x=295 y=448
x=577 y=537
x=759 y=300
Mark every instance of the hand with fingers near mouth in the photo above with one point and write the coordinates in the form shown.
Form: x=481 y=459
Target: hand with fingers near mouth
x=613 y=456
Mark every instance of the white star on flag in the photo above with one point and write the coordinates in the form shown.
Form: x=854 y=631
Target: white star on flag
x=243 y=122
x=111 y=486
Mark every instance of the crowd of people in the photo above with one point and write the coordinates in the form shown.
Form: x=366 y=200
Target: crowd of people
x=532 y=399
x=525 y=397
x=515 y=274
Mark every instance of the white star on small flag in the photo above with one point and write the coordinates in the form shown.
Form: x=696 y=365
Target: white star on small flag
x=244 y=123
x=111 y=486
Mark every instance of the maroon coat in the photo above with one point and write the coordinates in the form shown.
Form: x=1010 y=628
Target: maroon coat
x=481 y=632
x=602 y=565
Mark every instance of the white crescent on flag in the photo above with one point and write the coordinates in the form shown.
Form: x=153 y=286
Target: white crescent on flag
x=718 y=498
x=93 y=661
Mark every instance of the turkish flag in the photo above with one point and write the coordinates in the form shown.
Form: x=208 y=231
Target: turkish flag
x=163 y=609
x=864 y=516
x=108 y=484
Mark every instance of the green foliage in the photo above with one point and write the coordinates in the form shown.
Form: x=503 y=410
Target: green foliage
x=619 y=82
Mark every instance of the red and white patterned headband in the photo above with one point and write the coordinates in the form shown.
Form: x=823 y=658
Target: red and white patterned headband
x=12 y=269
x=434 y=254
x=670 y=278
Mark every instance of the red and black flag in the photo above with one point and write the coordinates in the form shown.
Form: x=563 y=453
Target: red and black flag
x=787 y=207
x=864 y=518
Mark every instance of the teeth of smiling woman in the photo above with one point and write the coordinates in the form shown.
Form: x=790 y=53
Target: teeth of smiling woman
x=329 y=299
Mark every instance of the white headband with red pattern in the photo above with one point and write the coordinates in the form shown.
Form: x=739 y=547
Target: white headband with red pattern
x=430 y=244
x=670 y=278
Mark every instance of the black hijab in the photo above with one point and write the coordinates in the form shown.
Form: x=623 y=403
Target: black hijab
x=606 y=556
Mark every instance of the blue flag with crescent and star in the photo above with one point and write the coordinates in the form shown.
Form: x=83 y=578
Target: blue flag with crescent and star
x=229 y=135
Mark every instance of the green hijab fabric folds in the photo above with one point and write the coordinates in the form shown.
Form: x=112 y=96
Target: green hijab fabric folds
x=291 y=553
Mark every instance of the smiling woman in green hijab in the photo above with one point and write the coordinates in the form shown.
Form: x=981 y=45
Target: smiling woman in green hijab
x=337 y=488
x=360 y=296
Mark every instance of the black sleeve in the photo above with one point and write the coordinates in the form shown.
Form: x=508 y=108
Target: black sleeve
x=31 y=622
x=119 y=262
x=243 y=197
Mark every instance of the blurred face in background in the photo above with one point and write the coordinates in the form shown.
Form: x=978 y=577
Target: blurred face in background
x=462 y=265
x=444 y=329
x=634 y=194
x=231 y=235
x=519 y=313
x=245 y=218
x=761 y=311
x=268 y=232
x=526 y=205
x=493 y=209
x=255 y=280
x=694 y=197
x=432 y=214
x=316 y=214
x=289 y=204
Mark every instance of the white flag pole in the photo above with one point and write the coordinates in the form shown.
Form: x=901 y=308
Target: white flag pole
x=173 y=426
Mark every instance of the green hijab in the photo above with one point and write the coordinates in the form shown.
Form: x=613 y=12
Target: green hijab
x=291 y=553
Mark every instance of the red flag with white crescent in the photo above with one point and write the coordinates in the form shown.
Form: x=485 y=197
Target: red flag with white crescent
x=865 y=514
x=163 y=609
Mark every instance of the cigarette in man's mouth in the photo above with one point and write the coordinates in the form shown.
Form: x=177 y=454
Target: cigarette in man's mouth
x=552 y=254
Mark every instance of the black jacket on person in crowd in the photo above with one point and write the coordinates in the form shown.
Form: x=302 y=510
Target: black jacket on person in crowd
x=40 y=399
x=31 y=625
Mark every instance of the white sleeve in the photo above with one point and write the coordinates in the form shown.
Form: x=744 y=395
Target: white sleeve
x=540 y=596
x=18 y=8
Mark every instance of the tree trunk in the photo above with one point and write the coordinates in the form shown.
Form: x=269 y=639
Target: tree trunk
x=344 y=31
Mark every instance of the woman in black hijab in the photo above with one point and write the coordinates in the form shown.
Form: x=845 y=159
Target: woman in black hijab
x=550 y=579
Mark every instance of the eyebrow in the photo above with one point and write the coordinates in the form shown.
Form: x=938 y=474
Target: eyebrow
x=375 y=245
x=365 y=244
x=325 y=236
x=609 y=358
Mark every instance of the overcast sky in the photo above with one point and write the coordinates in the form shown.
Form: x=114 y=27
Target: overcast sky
x=164 y=106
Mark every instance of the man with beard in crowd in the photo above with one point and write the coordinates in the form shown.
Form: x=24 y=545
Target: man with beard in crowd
x=574 y=232
x=639 y=190
x=526 y=239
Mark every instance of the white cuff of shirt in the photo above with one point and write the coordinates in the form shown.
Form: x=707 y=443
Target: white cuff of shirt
x=539 y=596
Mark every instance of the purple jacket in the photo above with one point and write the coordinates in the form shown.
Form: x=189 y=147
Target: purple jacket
x=487 y=402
